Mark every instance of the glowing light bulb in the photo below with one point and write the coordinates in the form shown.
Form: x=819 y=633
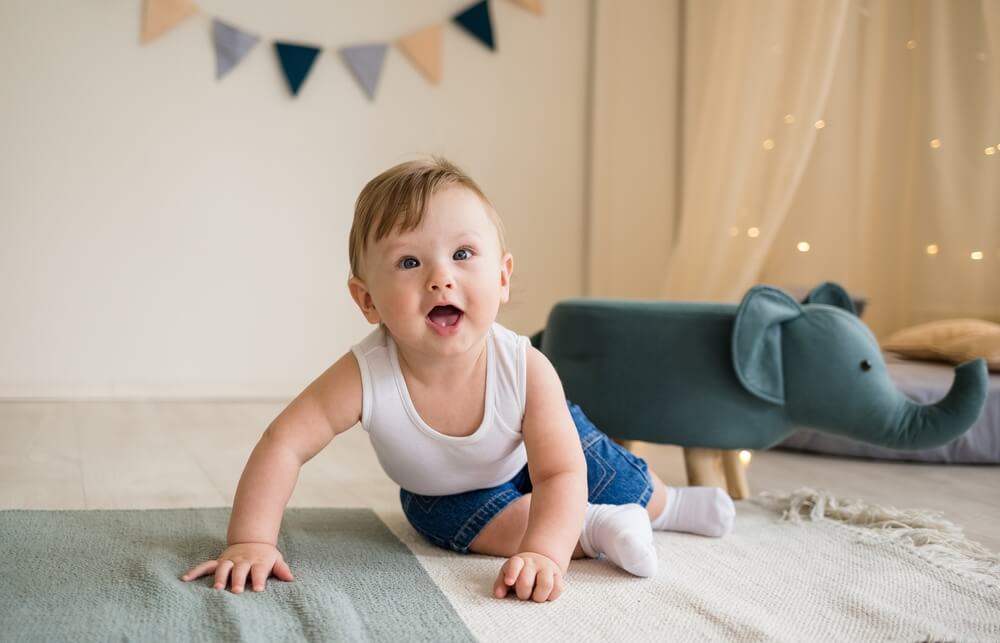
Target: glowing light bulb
x=911 y=44
x=803 y=246
x=932 y=249
x=768 y=144
x=789 y=119
x=753 y=233
x=976 y=255
x=745 y=456
x=820 y=124
x=990 y=151
x=935 y=143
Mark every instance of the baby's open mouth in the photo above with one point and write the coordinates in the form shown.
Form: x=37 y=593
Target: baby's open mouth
x=444 y=316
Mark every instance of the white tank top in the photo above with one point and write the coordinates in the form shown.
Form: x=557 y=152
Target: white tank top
x=424 y=461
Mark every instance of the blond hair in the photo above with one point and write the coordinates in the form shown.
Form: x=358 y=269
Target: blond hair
x=397 y=199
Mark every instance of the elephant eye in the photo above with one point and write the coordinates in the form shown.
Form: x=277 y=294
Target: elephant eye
x=866 y=365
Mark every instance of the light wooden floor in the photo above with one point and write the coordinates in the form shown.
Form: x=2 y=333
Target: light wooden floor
x=125 y=455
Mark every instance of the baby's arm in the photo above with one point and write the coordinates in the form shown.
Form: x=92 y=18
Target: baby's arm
x=559 y=479
x=327 y=407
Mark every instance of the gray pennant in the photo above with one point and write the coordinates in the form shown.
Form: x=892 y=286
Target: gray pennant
x=366 y=63
x=231 y=45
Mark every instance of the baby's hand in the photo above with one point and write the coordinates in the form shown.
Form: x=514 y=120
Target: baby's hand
x=532 y=576
x=259 y=560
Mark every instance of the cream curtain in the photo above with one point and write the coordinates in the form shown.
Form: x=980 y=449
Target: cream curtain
x=862 y=149
x=991 y=23
x=747 y=66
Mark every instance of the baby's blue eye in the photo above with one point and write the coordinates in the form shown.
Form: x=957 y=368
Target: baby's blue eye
x=408 y=263
x=462 y=254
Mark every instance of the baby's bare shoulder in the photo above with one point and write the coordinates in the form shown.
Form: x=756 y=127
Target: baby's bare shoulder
x=330 y=405
x=338 y=391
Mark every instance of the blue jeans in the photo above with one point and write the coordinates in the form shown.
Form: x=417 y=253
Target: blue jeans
x=614 y=477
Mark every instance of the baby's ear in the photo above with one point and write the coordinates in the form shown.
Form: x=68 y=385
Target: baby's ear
x=363 y=298
x=506 y=269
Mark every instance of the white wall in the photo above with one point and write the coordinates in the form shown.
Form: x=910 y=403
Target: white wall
x=164 y=235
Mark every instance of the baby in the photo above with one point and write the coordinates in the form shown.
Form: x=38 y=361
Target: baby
x=463 y=414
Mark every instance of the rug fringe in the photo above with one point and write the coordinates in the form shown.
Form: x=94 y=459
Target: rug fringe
x=937 y=539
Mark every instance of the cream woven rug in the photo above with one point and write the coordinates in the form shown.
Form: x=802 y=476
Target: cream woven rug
x=795 y=568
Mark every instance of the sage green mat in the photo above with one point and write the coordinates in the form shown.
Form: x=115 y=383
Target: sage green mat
x=113 y=575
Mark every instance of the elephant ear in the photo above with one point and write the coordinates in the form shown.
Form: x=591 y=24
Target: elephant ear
x=831 y=294
x=757 y=341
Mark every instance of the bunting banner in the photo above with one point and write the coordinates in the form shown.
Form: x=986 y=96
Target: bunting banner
x=476 y=21
x=423 y=48
x=231 y=45
x=534 y=6
x=160 y=16
x=365 y=61
x=296 y=62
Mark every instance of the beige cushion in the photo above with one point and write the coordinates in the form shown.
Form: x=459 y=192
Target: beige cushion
x=951 y=340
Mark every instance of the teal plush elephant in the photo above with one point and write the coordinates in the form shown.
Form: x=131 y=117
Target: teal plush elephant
x=744 y=376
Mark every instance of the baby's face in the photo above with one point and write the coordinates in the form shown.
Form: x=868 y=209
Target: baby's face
x=437 y=288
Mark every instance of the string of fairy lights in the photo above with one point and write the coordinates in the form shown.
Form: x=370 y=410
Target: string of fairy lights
x=931 y=249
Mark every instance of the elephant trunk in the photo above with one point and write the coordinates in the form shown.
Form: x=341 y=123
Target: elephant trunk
x=926 y=427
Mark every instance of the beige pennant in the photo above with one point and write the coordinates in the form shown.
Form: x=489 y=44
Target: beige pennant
x=534 y=6
x=423 y=48
x=160 y=16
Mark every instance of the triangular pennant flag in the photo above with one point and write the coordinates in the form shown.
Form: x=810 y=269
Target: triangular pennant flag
x=231 y=45
x=160 y=16
x=423 y=48
x=534 y=6
x=366 y=63
x=296 y=61
x=476 y=20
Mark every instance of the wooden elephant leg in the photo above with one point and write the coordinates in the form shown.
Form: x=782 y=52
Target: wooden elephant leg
x=717 y=468
x=704 y=467
x=736 y=475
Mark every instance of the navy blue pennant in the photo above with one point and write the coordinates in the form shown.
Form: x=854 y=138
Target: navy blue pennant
x=476 y=21
x=296 y=61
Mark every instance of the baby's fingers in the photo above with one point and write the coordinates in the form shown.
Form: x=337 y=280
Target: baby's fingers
x=500 y=587
x=512 y=569
x=282 y=571
x=557 y=588
x=508 y=576
x=222 y=574
x=258 y=576
x=239 y=577
x=526 y=582
x=544 y=585
x=198 y=571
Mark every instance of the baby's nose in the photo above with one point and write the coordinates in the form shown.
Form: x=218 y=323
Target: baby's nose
x=440 y=280
x=442 y=285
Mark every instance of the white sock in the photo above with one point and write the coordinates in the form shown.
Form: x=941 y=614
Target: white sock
x=707 y=511
x=621 y=533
